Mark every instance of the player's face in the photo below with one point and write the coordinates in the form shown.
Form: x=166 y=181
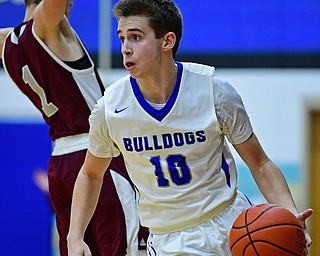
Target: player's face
x=140 y=49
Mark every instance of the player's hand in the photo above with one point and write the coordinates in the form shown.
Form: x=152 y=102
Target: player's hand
x=302 y=217
x=78 y=248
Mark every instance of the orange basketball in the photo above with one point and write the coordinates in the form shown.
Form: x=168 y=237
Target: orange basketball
x=266 y=230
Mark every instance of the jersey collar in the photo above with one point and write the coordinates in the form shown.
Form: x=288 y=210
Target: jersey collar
x=155 y=113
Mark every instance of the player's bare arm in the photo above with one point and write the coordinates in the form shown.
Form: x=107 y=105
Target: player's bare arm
x=3 y=34
x=85 y=197
x=270 y=179
x=48 y=16
x=52 y=26
x=266 y=174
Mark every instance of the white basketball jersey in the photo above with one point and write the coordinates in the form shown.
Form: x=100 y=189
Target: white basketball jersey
x=177 y=156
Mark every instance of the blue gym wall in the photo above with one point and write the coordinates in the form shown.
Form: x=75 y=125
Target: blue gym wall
x=25 y=212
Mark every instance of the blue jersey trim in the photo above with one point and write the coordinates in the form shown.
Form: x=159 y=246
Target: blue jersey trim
x=155 y=113
x=225 y=168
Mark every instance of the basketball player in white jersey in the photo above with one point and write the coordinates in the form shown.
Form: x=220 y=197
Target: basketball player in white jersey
x=170 y=120
x=48 y=62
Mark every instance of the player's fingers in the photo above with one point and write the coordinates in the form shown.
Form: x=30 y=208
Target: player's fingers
x=304 y=215
x=308 y=240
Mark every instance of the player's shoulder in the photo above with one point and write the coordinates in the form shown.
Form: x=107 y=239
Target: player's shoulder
x=223 y=86
x=197 y=68
x=118 y=85
x=4 y=32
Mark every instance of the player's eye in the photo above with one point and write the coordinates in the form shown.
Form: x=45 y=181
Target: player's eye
x=136 y=37
x=121 y=38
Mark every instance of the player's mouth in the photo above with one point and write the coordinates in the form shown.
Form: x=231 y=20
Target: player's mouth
x=129 y=65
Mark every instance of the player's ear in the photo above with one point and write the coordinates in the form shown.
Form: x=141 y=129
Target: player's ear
x=169 y=41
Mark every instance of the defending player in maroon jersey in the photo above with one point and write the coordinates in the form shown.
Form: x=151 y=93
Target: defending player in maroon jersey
x=48 y=62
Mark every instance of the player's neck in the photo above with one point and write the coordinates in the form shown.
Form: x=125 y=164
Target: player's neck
x=158 y=89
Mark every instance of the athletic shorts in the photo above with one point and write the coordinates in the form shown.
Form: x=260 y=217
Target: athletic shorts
x=107 y=231
x=210 y=238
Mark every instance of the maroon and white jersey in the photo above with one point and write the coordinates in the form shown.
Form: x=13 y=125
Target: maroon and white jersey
x=65 y=96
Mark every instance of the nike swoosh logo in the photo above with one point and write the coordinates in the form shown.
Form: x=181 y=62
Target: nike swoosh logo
x=119 y=110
